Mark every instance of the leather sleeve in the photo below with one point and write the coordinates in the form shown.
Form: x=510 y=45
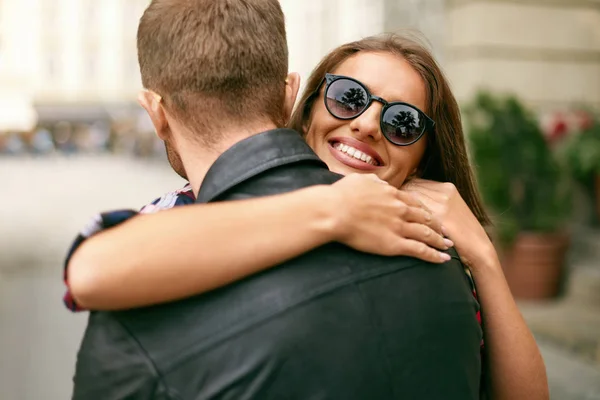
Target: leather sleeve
x=114 y=366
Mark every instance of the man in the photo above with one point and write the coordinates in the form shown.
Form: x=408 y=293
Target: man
x=331 y=324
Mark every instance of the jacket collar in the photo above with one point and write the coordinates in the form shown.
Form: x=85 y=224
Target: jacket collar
x=253 y=156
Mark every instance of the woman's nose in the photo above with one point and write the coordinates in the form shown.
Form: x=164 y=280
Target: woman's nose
x=367 y=124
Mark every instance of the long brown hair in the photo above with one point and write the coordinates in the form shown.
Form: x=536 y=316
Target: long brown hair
x=445 y=159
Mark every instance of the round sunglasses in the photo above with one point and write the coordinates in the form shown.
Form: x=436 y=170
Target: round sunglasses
x=401 y=123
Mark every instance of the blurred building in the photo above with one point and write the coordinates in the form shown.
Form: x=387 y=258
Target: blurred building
x=68 y=59
x=316 y=26
x=75 y=60
x=545 y=51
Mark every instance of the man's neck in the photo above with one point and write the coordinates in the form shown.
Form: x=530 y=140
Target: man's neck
x=197 y=159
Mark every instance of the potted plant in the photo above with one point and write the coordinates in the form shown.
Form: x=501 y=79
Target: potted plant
x=581 y=155
x=523 y=187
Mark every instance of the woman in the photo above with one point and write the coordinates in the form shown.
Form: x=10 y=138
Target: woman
x=369 y=107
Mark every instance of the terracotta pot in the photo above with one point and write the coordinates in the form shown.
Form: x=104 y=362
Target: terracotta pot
x=534 y=264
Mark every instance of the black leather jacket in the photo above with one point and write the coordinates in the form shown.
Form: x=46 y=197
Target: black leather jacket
x=332 y=324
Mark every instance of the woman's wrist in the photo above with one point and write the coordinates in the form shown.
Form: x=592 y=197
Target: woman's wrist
x=486 y=260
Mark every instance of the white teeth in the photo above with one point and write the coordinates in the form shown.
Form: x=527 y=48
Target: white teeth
x=352 y=152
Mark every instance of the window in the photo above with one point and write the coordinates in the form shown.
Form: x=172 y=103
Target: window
x=90 y=66
x=52 y=67
x=51 y=15
x=91 y=15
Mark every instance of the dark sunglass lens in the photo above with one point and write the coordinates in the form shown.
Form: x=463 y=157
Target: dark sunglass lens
x=346 y=98
x=402 y=124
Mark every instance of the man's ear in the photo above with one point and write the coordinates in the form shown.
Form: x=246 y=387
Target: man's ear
x=152 y=103
x=292 y=86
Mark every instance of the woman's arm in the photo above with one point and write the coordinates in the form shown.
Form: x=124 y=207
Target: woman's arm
x=192 y=249
x=515 y=367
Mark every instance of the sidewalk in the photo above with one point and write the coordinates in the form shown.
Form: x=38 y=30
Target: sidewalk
x=568 y=328
x=570 y=378
x=569 y=324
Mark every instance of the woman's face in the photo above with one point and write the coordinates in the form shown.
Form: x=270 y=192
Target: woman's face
x=391 y=78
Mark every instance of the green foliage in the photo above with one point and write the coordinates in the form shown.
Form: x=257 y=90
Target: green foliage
x=581 y=153
x=520 y=181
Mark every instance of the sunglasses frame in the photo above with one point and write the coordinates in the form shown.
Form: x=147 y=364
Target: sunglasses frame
x=331 y=78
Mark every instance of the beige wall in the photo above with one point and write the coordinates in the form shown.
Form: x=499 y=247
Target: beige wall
x=545 y=51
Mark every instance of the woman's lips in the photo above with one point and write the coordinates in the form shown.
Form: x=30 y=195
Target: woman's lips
x=352 y=157
x=360 y=146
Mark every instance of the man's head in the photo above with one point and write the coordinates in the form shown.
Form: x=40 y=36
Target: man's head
x=213 y=66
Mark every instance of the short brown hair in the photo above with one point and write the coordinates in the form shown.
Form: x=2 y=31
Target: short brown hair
x=446 y=158
x=215 y=60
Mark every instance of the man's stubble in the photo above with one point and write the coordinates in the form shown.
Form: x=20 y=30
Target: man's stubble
x=175 y=159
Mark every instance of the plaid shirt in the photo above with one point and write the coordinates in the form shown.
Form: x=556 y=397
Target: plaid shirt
x=111 y=219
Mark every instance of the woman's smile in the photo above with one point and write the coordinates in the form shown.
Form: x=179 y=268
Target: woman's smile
x=355 y=154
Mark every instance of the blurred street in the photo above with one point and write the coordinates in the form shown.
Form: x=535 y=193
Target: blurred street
x=45 y=202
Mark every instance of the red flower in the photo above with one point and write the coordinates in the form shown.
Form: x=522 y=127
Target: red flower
x=558 y=128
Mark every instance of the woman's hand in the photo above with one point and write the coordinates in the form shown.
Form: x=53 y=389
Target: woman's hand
x=374 y=217
x=460 y=225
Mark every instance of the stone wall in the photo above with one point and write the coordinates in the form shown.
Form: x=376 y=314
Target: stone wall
x=545 y=51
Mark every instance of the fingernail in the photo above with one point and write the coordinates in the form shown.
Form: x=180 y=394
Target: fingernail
x=445 y=257
x=444 y=231
x=449 y=243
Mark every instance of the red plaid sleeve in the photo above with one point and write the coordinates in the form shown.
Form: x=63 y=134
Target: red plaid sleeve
x=111 y=219
x=99 y=223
